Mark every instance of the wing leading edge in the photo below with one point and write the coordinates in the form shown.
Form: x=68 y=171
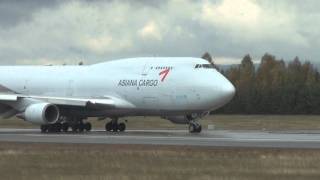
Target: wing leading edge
x=106 y=102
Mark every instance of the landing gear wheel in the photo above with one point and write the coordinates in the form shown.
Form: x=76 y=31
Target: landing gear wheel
x=81 y=127
x=57 y=127
x=195 y=128
x=192 y=128
x=108 y=126
x=122 y=127
x=51 y=128
x=65 y=127
x=115 y=127
x=44 y=128
x=199 y=129
x=74 y=128
x=87 y=126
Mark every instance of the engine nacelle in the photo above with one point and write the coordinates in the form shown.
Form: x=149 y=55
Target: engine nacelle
x=42 y=113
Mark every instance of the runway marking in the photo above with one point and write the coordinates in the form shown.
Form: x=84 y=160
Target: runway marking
x=170 y=137
x=106 y=136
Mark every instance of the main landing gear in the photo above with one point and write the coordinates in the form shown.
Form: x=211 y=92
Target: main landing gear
x=80 y=127
x=114 y=126
x=64 y=127
x=194 y=127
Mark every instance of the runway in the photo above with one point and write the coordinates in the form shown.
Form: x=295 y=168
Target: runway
x=213 y=138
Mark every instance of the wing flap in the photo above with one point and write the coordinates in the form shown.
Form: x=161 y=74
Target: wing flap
x=8 y=97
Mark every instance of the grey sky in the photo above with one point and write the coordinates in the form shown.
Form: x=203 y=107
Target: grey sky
x=54 y=32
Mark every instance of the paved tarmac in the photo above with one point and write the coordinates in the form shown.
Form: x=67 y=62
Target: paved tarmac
x=213 y=138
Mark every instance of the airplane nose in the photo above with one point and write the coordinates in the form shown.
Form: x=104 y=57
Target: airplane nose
x=215 y=94
x=228 y=90
x=225 y=88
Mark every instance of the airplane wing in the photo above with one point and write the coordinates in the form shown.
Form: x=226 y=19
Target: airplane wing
x=105 y=102
x=97 y=102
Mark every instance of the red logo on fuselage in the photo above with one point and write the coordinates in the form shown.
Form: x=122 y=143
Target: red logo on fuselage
x=164 y=74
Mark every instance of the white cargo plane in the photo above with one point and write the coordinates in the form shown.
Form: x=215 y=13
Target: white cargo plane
x=59 y=98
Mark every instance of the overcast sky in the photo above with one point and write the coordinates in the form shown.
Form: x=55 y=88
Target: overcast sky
x=54 y=32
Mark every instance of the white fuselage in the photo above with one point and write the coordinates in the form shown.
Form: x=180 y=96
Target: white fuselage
x=179 y=89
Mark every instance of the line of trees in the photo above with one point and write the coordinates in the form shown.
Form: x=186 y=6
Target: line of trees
x=274 y=87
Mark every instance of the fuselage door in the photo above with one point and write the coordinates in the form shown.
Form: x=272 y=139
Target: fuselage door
x=69 y=92
x=145 y=69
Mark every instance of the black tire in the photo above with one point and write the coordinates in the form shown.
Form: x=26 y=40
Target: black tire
x=44 y=128
x=192 y=128
x=65 y=127
x=108 y=127
x=58 y=127
x=75 y=128
x=51 y=128
x=87 y=126
x=115 y=127
x=199 y=128
x=81 y=127
x=122 y=127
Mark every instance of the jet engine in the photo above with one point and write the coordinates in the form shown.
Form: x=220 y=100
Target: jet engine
x=42 y=113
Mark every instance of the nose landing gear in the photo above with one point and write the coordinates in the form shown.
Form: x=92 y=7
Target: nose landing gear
x=194 y=127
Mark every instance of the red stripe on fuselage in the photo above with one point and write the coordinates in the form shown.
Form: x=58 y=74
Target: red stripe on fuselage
x=164 y=73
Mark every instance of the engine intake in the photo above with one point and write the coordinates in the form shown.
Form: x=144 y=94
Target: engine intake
x=42 y=113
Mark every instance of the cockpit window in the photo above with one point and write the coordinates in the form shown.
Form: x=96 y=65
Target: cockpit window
x=204 y=66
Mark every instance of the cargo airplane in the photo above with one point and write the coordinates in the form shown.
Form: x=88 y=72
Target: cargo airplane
x=61 y=98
